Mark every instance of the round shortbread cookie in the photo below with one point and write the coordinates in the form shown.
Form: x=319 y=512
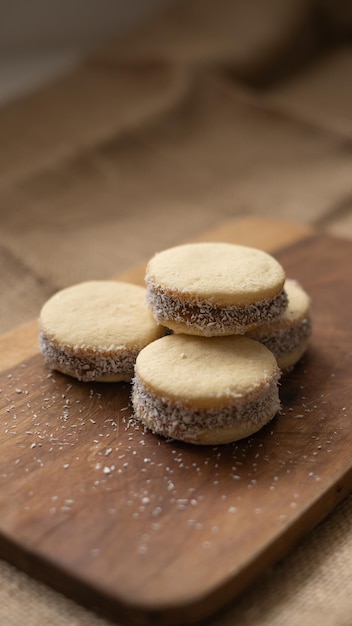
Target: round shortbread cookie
x=94 y=330
x=205 y=390
x=214 y=289
x=287 y=336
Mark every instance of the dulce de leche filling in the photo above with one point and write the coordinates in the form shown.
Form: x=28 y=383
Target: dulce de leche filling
x=178 y=421
x=88 y=366
x=205 y=318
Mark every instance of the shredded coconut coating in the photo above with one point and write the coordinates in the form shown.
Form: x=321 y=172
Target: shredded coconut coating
x=284 y=340
x=287 y=336
x=174 y=420
x=113 y=365
x=201 y=317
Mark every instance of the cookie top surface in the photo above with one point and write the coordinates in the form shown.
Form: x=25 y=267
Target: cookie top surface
x=99 y=315
x=205 y=372
x=297 y=310
x=222 y=273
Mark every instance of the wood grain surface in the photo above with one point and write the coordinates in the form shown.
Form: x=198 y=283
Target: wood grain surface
x=151 y=531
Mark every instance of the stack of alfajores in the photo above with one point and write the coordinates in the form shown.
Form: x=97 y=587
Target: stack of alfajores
x=204 y=343
x=236 y=324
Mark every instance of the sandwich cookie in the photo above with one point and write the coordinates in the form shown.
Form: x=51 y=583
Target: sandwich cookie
x=94 y=330
x=287 y=336
x=214 y=289
x=205 y=390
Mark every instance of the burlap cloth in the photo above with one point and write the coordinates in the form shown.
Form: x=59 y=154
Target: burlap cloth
x=205 y=113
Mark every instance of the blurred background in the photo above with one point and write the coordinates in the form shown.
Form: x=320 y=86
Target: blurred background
x=126 y=127
x=41 y=39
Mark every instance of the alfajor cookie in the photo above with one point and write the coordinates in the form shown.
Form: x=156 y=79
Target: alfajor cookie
x=205 y=390
x=94 y=330
x=287 y=336
x=214 y=289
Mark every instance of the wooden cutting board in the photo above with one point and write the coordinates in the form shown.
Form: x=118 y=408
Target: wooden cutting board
x=150 y=531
